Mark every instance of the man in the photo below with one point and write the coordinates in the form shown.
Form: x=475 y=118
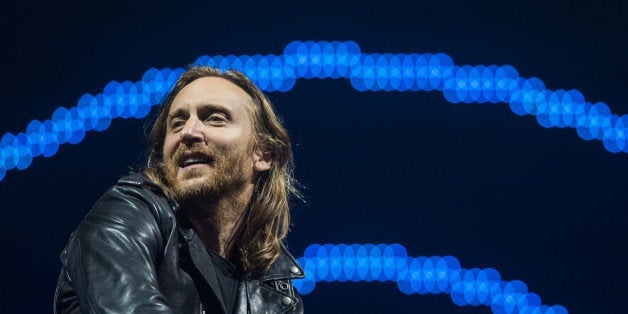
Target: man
x=201 y=230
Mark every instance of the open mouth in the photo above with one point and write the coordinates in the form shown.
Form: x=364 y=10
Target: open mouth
x=190 y=160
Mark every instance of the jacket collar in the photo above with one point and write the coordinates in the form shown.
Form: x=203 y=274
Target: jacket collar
x=285 y=267
x=139 y=179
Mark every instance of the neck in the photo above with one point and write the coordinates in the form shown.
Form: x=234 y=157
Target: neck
x=218 y=223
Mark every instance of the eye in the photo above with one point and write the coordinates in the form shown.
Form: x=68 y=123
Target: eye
x=217 y=119
x=176 y=124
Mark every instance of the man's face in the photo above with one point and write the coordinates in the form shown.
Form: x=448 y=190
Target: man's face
x=208 y=150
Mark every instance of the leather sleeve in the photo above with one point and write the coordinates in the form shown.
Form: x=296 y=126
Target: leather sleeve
x=111 y=258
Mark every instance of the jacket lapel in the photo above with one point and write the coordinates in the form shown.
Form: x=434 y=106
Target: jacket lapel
x=201 y=262
x=273 y=292
x=285 y=267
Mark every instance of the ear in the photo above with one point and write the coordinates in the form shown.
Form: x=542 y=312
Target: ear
x=262 y=160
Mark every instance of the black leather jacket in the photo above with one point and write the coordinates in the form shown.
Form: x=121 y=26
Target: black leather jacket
x=132 y=255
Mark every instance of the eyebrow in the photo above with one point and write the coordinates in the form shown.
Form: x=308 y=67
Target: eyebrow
x=184 y=111
x=177 y=113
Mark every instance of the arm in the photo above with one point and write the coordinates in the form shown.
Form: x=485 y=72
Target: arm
x=111 y=258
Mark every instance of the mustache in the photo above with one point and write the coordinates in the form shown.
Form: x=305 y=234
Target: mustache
x=195 y=150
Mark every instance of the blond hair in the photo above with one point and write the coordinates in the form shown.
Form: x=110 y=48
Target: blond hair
x=268 y=215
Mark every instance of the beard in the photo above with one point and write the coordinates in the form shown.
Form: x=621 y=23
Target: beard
x=226 y=174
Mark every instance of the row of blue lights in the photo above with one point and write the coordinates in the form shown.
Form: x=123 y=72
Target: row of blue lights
x=428 y=72
x=69 y=125
x=372 y=72
x=418 y=275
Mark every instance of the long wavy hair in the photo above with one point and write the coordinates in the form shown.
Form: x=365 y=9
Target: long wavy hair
x=268 y=214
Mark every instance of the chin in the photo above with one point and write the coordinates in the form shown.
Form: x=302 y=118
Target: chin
x=191 y=188
x=187 y=181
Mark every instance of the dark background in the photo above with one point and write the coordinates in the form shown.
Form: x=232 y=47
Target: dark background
x=470 y=180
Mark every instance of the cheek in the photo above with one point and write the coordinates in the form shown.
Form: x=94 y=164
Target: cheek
x=225 y=139
x=169 y=147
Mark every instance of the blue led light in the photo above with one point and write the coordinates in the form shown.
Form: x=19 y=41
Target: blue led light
x=373 y=72
x=475 y=84
x=420 y=71
x=418 y=275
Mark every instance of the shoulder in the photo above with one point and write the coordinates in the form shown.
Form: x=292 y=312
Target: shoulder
x=138 y=185
x=111 y=259
x=132 y=196
x=134 y=208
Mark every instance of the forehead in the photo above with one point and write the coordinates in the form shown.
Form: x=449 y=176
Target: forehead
x=212 y=91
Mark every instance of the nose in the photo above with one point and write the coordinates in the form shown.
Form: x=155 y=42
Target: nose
x=191 y=131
